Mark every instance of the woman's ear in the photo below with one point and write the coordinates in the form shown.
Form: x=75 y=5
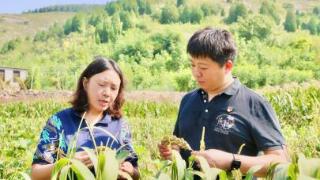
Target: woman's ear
x=85 y=83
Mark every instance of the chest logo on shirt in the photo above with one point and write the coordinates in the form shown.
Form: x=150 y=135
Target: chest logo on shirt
x=224 y=123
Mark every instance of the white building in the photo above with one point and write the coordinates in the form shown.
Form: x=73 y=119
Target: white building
x=11 y=75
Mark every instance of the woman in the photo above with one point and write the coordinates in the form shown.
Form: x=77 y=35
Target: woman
x=96 y=105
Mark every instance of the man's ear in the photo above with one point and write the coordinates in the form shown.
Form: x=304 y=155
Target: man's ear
x=228 y=66
x=85 y=83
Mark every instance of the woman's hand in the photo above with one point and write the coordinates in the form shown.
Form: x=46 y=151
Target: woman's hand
x=84 y=158
x=127 y=167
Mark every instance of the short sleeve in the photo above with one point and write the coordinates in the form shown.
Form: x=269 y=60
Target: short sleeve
x=176 y=130
x=126 y=143
x=51 y=138
x=266 y=129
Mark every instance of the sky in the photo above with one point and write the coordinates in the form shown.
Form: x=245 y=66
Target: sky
x=18 y=6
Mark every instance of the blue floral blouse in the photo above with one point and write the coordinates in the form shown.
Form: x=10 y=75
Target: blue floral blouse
x=59 y=134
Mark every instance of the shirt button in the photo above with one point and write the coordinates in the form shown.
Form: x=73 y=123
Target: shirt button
x=204 y=101
x=206 y=110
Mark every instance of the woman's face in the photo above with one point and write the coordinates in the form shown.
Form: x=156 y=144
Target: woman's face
x=102 y=89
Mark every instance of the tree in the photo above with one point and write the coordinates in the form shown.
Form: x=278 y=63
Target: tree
x=290 y=23
x=236 y=11
x=55 y=31
x=148 y=8
x=67 y=27
x=112 y=7
x=255 y=26
x=9 y=46
x=168 y=43
x=144 y=7
x=222 y=12
x=316 y=11
x=269 y=9
x=312 y=26
x=94 y=20
x=126 y=20
x=181 y=2
x=210 y=8
x=77 y=24
x=130 y=5
x=102 y=33
x=169 y=14
x=185 y=15
x=196 y=15
x=40 y=36
x=97 y=38
x=116 y=28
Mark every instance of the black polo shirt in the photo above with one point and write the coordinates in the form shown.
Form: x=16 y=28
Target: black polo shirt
x=235 y=117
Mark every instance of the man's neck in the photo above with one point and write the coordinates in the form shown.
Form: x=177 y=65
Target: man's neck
x=227 y=82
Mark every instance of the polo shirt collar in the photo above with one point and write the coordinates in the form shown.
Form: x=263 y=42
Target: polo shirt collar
x=233 y=88
x=104 y=121
x=230 y=90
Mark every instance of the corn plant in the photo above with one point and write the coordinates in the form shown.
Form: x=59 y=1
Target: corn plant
x=178 y=168
x=20 y=123
x=105 y=161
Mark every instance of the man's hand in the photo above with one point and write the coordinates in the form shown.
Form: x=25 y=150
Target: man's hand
x=166 y=151
x=84 y=158
x=216 y=158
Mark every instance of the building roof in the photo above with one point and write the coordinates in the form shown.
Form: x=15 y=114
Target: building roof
x=2 y=67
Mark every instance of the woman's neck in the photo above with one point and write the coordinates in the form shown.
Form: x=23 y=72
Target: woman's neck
x=92 y=117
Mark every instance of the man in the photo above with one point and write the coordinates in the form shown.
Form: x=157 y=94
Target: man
x=231 y=113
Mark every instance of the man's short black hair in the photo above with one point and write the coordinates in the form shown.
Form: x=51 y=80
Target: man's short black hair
x=216 y=44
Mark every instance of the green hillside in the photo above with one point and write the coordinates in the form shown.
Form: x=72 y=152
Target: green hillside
x=278 y=42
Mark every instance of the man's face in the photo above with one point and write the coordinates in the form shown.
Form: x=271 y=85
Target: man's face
x=209 y=75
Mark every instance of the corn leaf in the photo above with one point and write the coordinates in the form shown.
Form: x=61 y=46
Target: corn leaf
x=163 y=176
x=64 y=172
x=304 y=177
x=111 y=165
x=223 y=175
x=309 y=167
x=251 y=171
x=165 y=164
x=81 y=170
x=198 y=173
x=209 y=173
x=281 y=171
x=25 y=176
x=58 y=166
x=92 y=157
x=179 y=165
x=122 y=155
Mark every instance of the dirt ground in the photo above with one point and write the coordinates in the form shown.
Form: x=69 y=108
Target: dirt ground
x=7 y=96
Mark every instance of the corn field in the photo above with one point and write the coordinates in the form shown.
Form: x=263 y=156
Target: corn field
x=298 y=110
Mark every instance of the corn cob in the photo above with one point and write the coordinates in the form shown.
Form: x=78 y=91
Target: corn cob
x=173 y=140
